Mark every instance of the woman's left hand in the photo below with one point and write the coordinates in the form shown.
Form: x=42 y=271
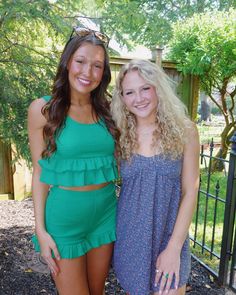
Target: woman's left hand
x=167 y=268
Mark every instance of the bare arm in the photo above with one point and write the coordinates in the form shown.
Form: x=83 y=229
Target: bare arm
x=190 y=185
x=36 y=122
x=168 y=261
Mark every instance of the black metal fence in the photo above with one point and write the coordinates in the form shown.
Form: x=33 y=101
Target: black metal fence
x=213 y=233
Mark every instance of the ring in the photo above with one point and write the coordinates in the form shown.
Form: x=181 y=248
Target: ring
x=157 y=270
x=167 y=276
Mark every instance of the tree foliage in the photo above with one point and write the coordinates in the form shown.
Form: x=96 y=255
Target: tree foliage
x=31 y=35
x=150 y=22
x=205 y=45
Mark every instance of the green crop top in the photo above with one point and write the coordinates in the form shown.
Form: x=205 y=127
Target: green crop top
x=84 y=155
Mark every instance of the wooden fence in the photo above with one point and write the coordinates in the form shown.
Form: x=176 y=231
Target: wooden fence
x=6 y=173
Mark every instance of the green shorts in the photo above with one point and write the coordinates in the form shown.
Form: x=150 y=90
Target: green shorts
x=79 y=221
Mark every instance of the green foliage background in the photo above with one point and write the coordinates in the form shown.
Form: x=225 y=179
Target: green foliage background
x=205 y=45
x=151 y=22
x=32 y=35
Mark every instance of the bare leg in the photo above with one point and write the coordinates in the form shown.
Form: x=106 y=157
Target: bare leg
x=72 y=279
x=98 y=264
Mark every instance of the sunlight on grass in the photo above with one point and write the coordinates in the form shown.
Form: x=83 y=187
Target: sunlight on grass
x=211 y=211
x=210 y=130
x=217 y=185
x=213 y=261
x=212 y=195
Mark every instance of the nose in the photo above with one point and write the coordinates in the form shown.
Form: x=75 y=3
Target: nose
x=87 y=69
x=139 y=97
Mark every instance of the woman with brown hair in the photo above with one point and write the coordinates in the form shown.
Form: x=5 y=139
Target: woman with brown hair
x=72 y=140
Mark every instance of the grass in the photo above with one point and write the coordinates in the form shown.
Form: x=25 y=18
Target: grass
x=210 y=212
x=210 y=130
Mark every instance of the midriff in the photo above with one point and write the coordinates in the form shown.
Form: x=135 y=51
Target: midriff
x=85 y=188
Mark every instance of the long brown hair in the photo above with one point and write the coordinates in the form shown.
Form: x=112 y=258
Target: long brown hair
x=57 y=108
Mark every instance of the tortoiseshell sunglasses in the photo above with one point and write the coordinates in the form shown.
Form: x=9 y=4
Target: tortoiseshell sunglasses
x=82 y=32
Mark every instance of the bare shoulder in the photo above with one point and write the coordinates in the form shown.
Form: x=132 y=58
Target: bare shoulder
x=37 y=105
x=192 y=142
x=191 y=133
x=35 y=115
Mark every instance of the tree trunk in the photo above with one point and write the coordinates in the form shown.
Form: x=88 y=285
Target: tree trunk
x=205 y=107
x=227 y=133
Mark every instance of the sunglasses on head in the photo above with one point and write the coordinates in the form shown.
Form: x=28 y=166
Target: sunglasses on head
x=82 y=32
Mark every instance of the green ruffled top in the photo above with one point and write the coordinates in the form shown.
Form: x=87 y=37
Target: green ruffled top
x=84 y=155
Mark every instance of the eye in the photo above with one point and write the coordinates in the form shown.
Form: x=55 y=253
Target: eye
x=128 y=92
x=146 y=88
x=79 y=61
x=98 y=66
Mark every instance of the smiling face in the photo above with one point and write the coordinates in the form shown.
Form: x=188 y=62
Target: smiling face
x=86 y=69
x=139 y=97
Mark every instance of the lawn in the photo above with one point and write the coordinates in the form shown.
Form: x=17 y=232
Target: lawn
x=211 y=206
x=209 y=130
x=210 y=212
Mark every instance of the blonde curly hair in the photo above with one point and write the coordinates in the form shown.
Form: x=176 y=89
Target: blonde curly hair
x=171 y=121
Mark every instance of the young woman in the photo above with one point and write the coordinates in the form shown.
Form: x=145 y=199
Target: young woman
x=72 y=139
x=160 y=175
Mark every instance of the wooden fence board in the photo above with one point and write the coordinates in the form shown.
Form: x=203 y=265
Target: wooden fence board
x=6 y=185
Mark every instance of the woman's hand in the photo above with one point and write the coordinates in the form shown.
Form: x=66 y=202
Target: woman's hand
x=47 y=245
x=167 y=268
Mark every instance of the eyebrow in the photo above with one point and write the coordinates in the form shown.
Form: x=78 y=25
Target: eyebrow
x=83 y=56
x=146 y=84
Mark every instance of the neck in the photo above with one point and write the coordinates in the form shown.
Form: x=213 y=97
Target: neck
x=145 y=122
x=80 y=101
x=146 y=129
x=146 y=125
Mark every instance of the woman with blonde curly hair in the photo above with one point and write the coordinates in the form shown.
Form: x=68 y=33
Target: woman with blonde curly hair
x=159 y=150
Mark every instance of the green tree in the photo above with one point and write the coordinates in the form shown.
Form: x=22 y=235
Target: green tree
x=150 y=22
x=32 y=33
x=205 y=45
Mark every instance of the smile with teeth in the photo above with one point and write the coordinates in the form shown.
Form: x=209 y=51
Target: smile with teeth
x=84 y=81
x=142 y=106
